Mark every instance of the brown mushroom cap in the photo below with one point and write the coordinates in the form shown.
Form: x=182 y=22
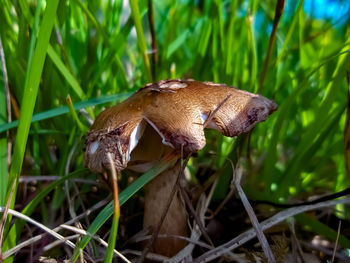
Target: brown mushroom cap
x=177 y=110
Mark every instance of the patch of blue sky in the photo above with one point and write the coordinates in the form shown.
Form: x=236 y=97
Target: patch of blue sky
x=259 y=19
x=335 y=11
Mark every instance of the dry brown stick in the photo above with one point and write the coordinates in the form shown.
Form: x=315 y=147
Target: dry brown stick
x=195 y=216
x=150 y=255
x=95 y=237
x=201 y=208
x=266 y=224
x=35 y=239
x=272 y=40
x=296 y=241
x=212 y=114
x=253 y=219
x=222 y=204
x=70 y=201
x=154 y=40
x=336 y=241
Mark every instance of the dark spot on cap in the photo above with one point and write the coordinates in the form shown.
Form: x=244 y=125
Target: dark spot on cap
x=252 y=115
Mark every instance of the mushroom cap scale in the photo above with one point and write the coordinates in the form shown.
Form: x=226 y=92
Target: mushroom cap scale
x=177 y=110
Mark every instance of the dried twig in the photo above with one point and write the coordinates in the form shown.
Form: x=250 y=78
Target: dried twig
x=295 y=242
x=35 y=239
x=186 y=252
x=36 y=223
x=336 y=241
x=274 y=220
x=253 y=219
x=154 y=40
x=59 y=242
x=195 y=216
x=272 y=40
x=100 y=240
x=150 y=255
x=212 y=114
x=325 y=250
x=66 y=186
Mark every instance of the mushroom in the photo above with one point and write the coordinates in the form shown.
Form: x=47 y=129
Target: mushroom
x=166 y=116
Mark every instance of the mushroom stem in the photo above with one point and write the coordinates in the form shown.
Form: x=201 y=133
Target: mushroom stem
x=157 y=194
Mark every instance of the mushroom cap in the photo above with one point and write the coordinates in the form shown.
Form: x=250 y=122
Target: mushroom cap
x=177 y=110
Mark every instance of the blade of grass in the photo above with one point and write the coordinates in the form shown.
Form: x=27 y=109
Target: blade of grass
x=178 y=42
x=65 y=72
x=283 y=110
x=322 y=118
x=254 y=57
x=141 y=40
x=278 y=14
x=296 y=165
x=5 y=114
x=230 y=39
x=31 y=88
x=322 y=229
x=64 y=109
x=203 y=40
x=290 y=32
x=92 y=18
x=29 y=95
x=81 y=126
x=347 y=130
x=302 y=54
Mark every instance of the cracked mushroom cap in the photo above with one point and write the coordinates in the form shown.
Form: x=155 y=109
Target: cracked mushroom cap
x=177 y=110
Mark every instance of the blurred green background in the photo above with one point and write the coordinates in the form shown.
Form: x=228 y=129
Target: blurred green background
x=98 y=52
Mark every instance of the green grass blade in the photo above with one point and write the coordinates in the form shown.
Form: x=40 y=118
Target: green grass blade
x=305 y=153
x=81 y=126
x=112 y=239
x=178 y=42
x=92 y=18
x=31 y=88
x=3 y=137
x=322 y=229
x=283 y=111
x=29 y=96
x=141 y=40
x=64 y=109
x=290 y=32
x=65 y=72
